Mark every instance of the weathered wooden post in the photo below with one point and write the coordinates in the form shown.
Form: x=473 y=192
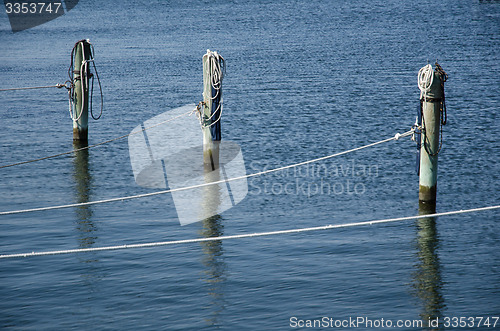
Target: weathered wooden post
x=433 y=113
x=81 y=75
x=213 y=73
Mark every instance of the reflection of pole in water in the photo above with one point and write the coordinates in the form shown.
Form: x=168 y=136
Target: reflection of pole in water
x=427 y=277
x=86 y=228
x=83 y=182
x=213 y=258
x=211 y=193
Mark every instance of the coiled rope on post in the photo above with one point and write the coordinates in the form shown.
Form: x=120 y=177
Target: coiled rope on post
x=425 y=80
x=395 y=137
x=83 y=72
x=98 y=144
x=246 y=235
x=216 y=69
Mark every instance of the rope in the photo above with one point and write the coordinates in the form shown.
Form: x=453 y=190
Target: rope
x=33 y=87
x=84 y=77
x=444 y=77
x=246 y=235
x=83 y=80
x=95 y=145
x=217 y=66
x=396 y=137
x=92 y=89
x=425 y=80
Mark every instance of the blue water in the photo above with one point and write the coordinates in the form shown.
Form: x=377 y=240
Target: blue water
x=304 y=79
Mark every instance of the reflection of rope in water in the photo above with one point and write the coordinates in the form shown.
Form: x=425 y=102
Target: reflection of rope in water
x=396 y=137
x=248 y=235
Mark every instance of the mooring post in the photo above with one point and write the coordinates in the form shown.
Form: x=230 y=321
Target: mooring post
x=431 y=84
x=213 y=71
x=81 y=75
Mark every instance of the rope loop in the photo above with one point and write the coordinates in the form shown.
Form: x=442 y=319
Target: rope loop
x=217 y=65
x=443 y=77
x=84 y=76
x=425 y=80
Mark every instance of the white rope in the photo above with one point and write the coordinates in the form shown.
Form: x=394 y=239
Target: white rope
x=396 y=137
x=246 y=235
x=425 y=79
x=32 y=88
x=98 y=144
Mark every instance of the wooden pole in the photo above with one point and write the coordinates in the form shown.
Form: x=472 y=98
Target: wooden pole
x=211 y=110
x=427 y=278
x=430 y=139
x=81 y=90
